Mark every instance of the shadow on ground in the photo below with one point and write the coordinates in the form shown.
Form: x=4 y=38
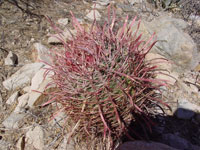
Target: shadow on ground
x=170 y=130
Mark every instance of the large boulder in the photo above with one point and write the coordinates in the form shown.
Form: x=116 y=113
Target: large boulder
x=172 y=41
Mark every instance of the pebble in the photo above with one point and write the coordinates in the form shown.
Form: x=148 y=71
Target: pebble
x=11 y=59
x=22 y=77
x=35 y=137
x=41 y=53
x=12 y=98
x=12 y=122
x=186 y=110
x=93 y=13
x=63 y=21
x=22 y=102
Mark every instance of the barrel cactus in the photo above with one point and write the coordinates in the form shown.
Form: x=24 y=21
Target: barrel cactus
x=102 y=79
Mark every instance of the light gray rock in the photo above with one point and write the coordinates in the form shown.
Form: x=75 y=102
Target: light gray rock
x=11 y=59
x=13 y=120
x=42 y=53
x=12 y=98
x=93 y=14
x=4 y=145
x=186 y=109
x=26 y=89
x=142 y=145
x=20 y=143
x=172 y=42
x=66 y=146
x=55 y=39
x=35 y=137
x=22 y=77
x=132 y=2
x=178 y=142
x=103 y=2
x=195 y=18
x=1 y=100
x=97 y=6
x=22 y=102
x=39 y=84
x=63 y=21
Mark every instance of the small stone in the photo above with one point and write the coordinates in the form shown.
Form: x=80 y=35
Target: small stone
x=11 y=59
x=26 y=89
x=4 y=145
x=41 y=53
x=63 y=21
x=22 y=77
x=186 y=109
x=13 y=120
x=133 y=2
x=194 y=88
x=1 y=100
x=68 y=146
x=39 y=84
x=12 y=98
x=93 y=14
x=21 y=143
x=103 y=2
x=97 y=6
x=55 y=39
x=35 y=137
x=195 y=18
x=22 y=102
x=197 y=68
x=142 y=145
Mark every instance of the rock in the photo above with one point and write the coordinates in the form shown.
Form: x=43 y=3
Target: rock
x=59 y=119
x=21 y=143
x=93 y=14
x=22 y=77
x=39 y=84
x=35 y=137
x=55 y=39
x=186 y=109
x=13 y=120
x=63 y=21
x=132 y=2
x=1 y=101
x=125 y=8
x=12 y=98
x=66 y=146
x=4 y=145
x=194 y=88
x=11 y=59
x=103 y=2
x=178 y=142
x=142 y=145
x=172 y=42
x=26 y=89
x=41 y=53
x=22 y=102
x=195 y=18
x=97 y=6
